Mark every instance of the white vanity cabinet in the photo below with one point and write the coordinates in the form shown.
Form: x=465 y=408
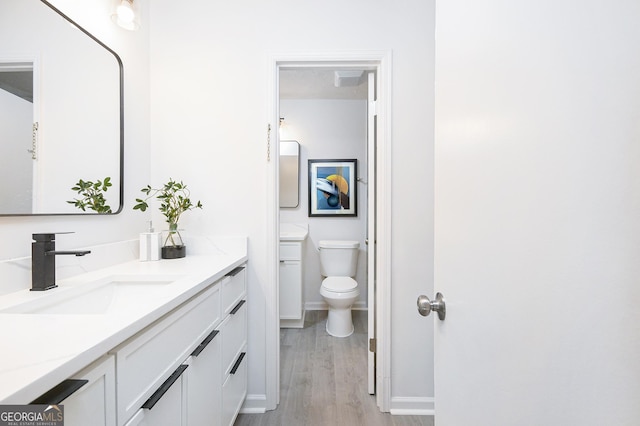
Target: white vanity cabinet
x=193 y=345
x=94 y=402
x=167 y=406
x=233 y=331
x=188 y=368
x=204 y=383
x=127 y=328
x=291 y=289
x=145 y=361
x=215 y=390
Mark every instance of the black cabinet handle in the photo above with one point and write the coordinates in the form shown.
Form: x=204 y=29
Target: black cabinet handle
x=59 y=393
x=234 y=271
x=153 y=399
x=237 y=307
x=204 y=343
x=237 y=364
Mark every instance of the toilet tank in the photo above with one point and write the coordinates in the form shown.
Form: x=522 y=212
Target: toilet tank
x=338 y=258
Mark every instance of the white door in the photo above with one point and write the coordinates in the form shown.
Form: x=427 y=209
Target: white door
x=537 y=220
x=371 y=231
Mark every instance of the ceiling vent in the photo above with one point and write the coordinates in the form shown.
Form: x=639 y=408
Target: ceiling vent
x=347 y=78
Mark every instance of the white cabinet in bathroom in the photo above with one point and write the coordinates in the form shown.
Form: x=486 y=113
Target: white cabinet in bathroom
x=198 y=392
x=204 y=384
x=188 y=368
x=233 y=331
x=216 y=387
x=149 y=358
x=292 y=310
x=95 y=402
x=167 y=406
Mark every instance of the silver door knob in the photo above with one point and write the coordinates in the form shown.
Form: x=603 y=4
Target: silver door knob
x=425 y=306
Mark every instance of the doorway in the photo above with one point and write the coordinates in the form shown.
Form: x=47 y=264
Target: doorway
x=376 y=221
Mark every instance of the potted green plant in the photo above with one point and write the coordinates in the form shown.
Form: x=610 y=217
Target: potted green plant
x=174 y=200
x=92 y=195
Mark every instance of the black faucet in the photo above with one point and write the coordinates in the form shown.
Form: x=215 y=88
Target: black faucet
x=43 y=261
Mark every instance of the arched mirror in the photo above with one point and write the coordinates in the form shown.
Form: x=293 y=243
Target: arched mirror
x=61 y=111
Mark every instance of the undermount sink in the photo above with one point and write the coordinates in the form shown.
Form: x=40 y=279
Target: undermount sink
x=109 y=295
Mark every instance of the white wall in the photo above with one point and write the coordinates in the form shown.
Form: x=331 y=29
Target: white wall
x=132 y=47
x=209 y=109
x=328 y=129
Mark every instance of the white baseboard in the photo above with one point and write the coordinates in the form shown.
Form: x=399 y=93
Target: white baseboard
x=254 y=404
x=412 y=406
x=322 y=306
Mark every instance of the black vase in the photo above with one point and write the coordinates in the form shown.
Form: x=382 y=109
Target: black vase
x=174 y=252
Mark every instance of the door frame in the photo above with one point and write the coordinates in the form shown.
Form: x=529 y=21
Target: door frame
x=380 y=61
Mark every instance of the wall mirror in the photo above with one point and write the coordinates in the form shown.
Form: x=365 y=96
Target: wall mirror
x=289 y=174
x=61 y=111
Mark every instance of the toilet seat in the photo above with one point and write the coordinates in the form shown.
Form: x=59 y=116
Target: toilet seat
x=339 y=284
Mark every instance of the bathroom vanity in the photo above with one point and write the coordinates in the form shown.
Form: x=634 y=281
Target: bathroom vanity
x=292 y=240
x=168 y=347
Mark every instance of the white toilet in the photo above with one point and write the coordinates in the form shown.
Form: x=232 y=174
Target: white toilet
x=338 y=263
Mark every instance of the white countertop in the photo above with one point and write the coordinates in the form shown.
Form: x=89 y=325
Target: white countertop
x=41 y=350
x=293 y=232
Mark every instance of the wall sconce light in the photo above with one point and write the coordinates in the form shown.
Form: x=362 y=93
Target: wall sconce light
x=284 y=129
x=125 y=15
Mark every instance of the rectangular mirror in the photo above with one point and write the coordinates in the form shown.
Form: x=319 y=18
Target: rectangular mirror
x=61 y=115
x=289 y=174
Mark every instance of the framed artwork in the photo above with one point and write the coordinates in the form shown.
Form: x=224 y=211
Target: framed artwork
x=332 y=188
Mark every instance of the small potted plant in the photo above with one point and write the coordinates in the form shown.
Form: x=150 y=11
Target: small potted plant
x=174 y=200
x=92 y=195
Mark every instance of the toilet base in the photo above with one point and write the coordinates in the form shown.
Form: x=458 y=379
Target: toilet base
x=340 y=322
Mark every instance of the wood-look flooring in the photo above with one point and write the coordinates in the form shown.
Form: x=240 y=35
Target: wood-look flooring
x=323 y=380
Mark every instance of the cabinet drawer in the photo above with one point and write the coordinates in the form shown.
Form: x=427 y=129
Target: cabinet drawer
x=234 y=335
x=95 y=402
x=290 y=251
x=144 y=362
x=233 y=289
x=204 y=386
x=234 y=390
x=169 y=410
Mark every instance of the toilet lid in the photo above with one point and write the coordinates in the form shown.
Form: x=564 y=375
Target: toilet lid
x=339 y=284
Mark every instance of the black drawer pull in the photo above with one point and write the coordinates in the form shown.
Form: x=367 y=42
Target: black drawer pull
x=60 y=392
x=237 y=364
x=237 y=307
x=153 y=399
x=204 y=343
x=234 y=271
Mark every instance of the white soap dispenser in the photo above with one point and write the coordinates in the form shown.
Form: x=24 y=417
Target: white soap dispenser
x=150 y=244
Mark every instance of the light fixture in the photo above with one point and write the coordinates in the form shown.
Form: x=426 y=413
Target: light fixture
x=284 y=129
x=125 y=15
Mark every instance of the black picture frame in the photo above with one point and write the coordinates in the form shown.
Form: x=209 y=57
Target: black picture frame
x=332 y=188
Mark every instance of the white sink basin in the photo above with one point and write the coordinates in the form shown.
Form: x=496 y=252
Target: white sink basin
x=109 y=295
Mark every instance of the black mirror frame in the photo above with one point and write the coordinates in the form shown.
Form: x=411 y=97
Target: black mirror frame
x=121 y=119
